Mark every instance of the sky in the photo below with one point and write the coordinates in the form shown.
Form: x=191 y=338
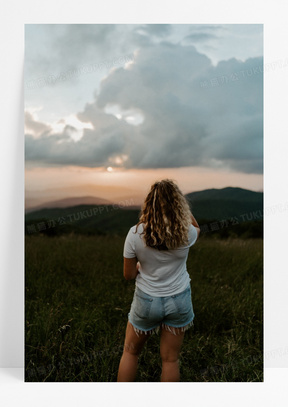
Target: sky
x=111 y=108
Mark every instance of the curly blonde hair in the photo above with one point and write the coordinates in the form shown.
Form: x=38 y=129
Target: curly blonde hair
x=166 y=216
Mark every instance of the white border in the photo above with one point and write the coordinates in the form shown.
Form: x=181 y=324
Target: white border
x=274 y=17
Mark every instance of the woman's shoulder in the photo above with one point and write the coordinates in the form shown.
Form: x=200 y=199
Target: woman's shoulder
x=138 y=229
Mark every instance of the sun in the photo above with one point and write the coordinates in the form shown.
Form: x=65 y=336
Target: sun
x=110 y=169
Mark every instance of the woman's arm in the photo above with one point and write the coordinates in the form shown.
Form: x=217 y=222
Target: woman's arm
x=195 y=224
x=130 y=268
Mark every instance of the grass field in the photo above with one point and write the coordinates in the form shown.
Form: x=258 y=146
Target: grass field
x=77 y=302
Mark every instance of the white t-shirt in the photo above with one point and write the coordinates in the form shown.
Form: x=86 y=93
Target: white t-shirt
x=161 y=272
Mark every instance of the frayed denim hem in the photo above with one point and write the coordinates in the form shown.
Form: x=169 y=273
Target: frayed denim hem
x=172 y=329
x=148 y=332
x=169 y=328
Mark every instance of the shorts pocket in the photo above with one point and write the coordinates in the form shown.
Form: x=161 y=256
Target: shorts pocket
x=142 y=305
x=183 y=302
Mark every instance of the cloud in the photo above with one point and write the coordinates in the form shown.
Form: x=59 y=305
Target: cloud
x=89 y=41
x=56 y=48
x=209 y=27
x=156 y=30
x=105 y=140
x=199 y=37
x=204 y=32
x=186 y=123
x=34 y=126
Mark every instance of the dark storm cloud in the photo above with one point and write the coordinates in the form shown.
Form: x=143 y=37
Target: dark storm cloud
x=185 y=122
x=94 y=148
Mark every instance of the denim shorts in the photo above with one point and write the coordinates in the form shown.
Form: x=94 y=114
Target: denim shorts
x=148 y=313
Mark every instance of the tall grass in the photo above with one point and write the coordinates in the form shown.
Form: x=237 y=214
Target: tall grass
x=77 y=303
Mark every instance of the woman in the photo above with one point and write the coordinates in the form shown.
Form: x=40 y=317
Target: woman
x=155 y=254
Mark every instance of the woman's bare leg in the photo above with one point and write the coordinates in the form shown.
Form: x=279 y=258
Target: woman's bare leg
x=170 y=346
x=132 y=348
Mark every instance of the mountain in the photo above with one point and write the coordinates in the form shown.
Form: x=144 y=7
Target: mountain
x=230 y=204
x=68 y=202
x=113 y=193
x=230 y=193
x=87 y=219
x=226 y=203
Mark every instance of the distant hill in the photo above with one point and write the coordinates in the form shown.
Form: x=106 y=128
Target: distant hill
x=68 y=202
x=87 y=219
x=208 y=205
x=226 y=203
x=230 y=193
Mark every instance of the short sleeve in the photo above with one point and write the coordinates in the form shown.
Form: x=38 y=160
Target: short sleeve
x=192 y=235
x=129 y=246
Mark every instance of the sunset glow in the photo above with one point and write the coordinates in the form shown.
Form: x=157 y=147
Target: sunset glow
x=116 y=184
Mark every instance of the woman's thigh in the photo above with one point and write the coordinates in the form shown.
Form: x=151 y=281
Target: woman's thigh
x=170 y=345
x=134 y=342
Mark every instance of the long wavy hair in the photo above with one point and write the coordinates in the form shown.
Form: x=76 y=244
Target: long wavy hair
x=166 y=216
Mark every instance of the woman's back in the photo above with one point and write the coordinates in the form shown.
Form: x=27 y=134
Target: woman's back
x=161 y=272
